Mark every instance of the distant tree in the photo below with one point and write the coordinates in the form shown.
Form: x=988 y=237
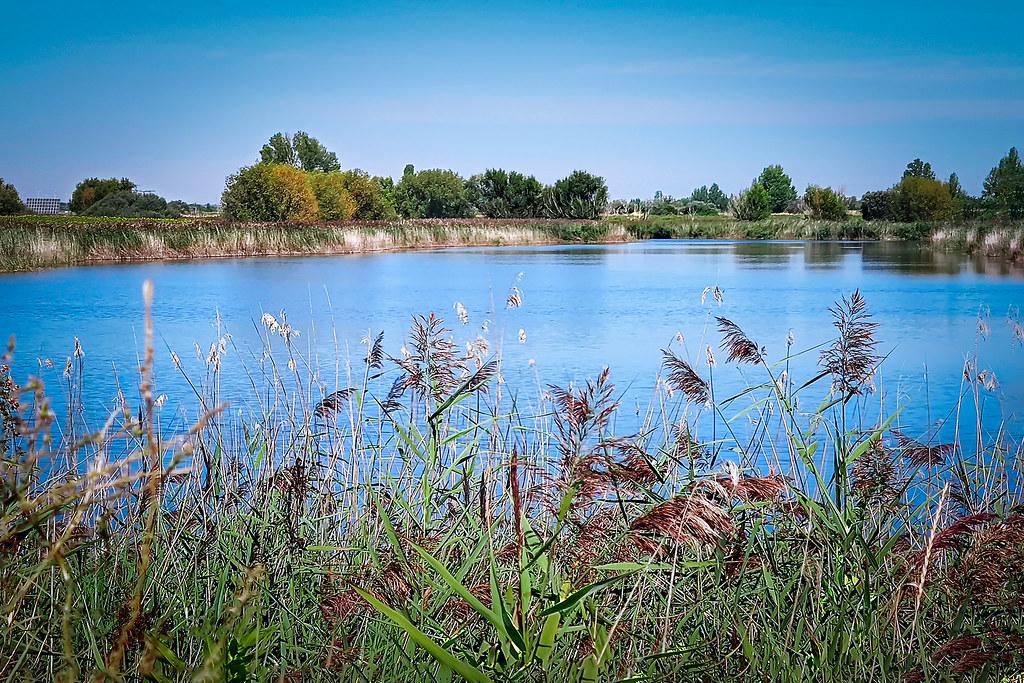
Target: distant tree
x=1003 y=194
x=500 y=194
x=919 y=169
x=878 y=206
x=711 y=195
x=698 y=208
x=128 y=204
x=10 y=202
x=433 y=193
x=825 y=203
x=372 y=201
x=918 y=198
x=779 y=187
x=580 y=195
x=753 y=205
x=91 y=190
x=269 y=192
x=301 y=150
x=332 y=197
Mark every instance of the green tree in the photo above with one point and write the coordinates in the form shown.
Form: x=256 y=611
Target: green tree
x=919 y=169
x=779 y=187
x=369 y=195
x=1003 y=194
x=332 y=197
x=269 y=192
x=301 y=150
x=711 y=195
x=10 y=202
x=825 y=203
x=433 y=193
x=878 y=206
x=580 y=195
x=753 y=205
x=917 y=198
x=91 y=190
x=498 y=194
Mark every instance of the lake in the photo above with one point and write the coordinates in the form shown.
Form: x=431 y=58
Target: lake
x=583 y=307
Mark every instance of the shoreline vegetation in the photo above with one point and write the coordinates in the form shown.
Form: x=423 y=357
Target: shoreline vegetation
x=39 y=242
x=409 y=519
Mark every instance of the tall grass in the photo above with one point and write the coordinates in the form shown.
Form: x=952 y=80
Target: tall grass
x=412 y=519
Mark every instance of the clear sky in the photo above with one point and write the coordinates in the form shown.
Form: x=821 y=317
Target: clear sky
x=651 y=95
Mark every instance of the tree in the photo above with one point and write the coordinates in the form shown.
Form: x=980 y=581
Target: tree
x=711 y=195
x=332 y=197
x=372 y=202
x=498 y=194
x=1003 y=193
x=301 y=150
x=434 y=193
x=779 y=187
x=10 y=201
x=91 y=190
x=919 y=169
x=918 y=198
x=825 y=203
x=269 y=192
x=128 y=204
x=753 y=205
x=878 y=206
x=580 y=195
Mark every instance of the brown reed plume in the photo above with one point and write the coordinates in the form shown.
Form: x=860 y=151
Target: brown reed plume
x=332 y=403
x=922 y=455
x=682 y=377
x=687 y=519
x=739 y=346
x=851 y=360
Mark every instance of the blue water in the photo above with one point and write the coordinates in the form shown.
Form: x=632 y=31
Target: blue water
x=583 y=307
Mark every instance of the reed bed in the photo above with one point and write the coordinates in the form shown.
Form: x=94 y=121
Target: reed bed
x=410 y=518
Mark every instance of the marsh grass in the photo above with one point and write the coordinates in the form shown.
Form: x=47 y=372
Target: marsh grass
x=412 y=519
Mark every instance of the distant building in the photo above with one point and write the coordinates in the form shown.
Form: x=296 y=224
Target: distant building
x=45 y=205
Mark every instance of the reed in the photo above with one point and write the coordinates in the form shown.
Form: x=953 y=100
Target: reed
x=409 y=518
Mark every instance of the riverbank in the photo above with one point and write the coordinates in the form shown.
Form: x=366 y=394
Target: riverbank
x=38 y=242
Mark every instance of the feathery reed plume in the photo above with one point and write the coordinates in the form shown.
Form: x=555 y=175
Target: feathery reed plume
x=332 y=403
x=968 y=652
x=921 y=455
x=876 y=477
x=432 y=367
x=739 y=346
x=956 y=535
x=751 y=489
x=515 y=298
x=993 y=563
x=688 y=518
x=582 y=413
x=682 y=377
x=375 y=356
x=851 y=359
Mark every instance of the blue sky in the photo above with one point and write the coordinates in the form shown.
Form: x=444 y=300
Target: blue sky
x=651 y=95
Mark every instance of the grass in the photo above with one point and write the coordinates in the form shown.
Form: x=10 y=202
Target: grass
x=34 y=242
x=409 y=519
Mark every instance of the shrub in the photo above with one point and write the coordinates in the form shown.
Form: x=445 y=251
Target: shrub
x=878 y=206
x=91 y=190
x=269 y=192
x=10 y=202
x=779 y=187
x=580 y=195
x=1003 y=194
x=754 y=204
x=498 y=194
x=825 y=203
x=918 y=198
x=333 y=199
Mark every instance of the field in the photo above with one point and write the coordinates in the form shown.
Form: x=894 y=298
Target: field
x=410 y=521
x=34 y=242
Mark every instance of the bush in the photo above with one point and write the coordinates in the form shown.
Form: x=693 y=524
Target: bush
x=332 y=197
x=779 y=187
x=497 y=194
x=825 y=203
x=754 y=204
x=10 y=202
x=434 y=193
x=92 y=190
x=878 y=206
x=580 y=195
x=269 y=192
x=917 y=198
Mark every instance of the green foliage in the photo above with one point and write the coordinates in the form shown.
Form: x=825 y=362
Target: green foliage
x=92 y=190
x=126 y=204
x=373 y=196
x=580 y=195
x=1003 y=194
x=825 y=203
x=10 y=202
x=500 y=194
x=269 y=192
x=711 y=195
x=433 y=193
x=878 y=206
x=779 y=187
x=302 y=151
x=918 y=198
x=919 y=169
x=333 y=199
x=753 y=205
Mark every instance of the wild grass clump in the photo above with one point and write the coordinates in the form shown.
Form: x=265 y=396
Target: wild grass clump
x=408 y=518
